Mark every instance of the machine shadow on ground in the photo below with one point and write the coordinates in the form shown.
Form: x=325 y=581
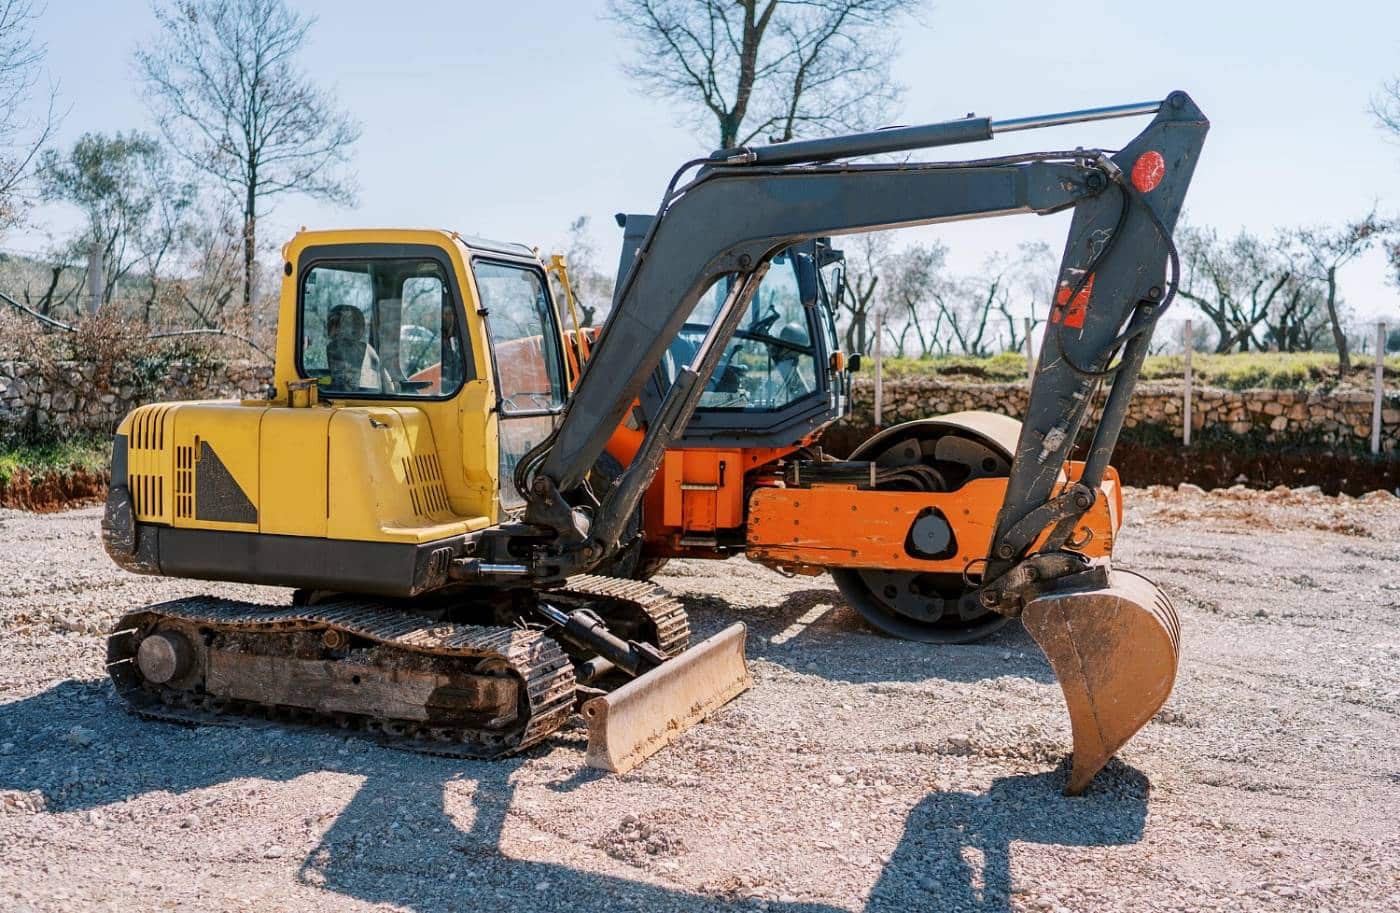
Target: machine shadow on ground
x=397 y=841
x=814 y=631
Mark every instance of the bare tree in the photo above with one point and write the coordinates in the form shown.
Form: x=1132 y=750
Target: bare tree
x=1026 y=276
x=767 y=69
x=21 y=136
x=210 y=275
x=1233 y=283
x=970 y=312
x=1319 y=251
x=222 y=80
x=48 y=282
x=916 y=275
x=592 y=281
x=1386 y=106
x=861 y=279
x=965 y=308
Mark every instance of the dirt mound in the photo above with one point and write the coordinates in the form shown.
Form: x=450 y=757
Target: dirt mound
x=1213 y=466
x=54 y=490
x=1219 y=464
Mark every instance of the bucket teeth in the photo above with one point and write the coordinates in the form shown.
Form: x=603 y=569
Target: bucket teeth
x=628 y=725
x=1114 y=651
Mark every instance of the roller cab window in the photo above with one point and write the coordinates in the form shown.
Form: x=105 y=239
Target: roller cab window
x=381 y=328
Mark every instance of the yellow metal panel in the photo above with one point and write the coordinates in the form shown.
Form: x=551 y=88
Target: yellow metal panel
x=292 y=472
x=230 y=431
x=448 y=242
x=149 y=461
x=476 y=462
x=371 y=494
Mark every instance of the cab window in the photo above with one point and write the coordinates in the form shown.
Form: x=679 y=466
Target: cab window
x=529 y=364
x=519 y=318
x=771 y=360
x=381 y=328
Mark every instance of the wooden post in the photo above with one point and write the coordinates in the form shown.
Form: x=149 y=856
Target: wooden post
x=1380 y=388
x=1190 y=343
x=1030 y=354
x=94 y=277
x=879 y=372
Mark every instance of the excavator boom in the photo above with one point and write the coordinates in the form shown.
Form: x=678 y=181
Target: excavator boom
x=1111 y=639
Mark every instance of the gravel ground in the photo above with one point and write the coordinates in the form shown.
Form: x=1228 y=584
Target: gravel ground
x=860 y=773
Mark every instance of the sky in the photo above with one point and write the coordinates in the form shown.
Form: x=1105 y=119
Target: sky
x=511 y=119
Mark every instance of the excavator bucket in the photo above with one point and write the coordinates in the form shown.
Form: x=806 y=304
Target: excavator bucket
x=628 y=725
x=1114 y=650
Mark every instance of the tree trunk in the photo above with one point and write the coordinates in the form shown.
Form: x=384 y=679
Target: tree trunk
x=250 y=239
x=1343 y=355
x=855 y=332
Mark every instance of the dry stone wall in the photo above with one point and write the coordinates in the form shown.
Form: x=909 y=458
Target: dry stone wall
x=69 y=400
x=1340 y=419
x=72 y=401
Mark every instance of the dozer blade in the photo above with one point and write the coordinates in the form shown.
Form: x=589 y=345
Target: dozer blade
x=1114 y=651
x=637 y=720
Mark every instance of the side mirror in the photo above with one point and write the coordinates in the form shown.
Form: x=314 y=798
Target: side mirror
x=838 y=294
x=853 y=362
x=807 y=282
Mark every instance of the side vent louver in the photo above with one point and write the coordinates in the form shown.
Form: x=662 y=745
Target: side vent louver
x=426 y=491
x=184 y=482
x=145 y=443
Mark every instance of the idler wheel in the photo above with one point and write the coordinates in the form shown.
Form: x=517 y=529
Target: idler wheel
x=164 y=657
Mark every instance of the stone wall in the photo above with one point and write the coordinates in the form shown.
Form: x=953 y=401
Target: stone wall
x=1340 y=419
x=69 y=400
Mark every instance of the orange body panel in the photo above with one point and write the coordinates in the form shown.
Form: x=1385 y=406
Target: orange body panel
x=842 y=526
x=699 y=494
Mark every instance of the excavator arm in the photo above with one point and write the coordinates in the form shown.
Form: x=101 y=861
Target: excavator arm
x=1111 y=636
x=746 y=205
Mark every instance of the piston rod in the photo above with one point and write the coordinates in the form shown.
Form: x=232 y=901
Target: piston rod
x=970 y=129
x=1036 y=121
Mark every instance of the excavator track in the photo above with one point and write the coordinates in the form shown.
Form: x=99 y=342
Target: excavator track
x=266 y=640
x=636 y=608
x=490 y=691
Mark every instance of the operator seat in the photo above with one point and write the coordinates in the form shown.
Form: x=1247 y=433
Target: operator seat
x=352 y=361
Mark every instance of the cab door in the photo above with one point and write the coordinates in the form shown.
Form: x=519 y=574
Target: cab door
x=527 y=355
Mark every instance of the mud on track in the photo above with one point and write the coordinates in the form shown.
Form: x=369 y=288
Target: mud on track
x=860 y=773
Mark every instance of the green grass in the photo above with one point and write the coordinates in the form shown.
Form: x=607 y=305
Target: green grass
x=1274 y=370
x=91 y=454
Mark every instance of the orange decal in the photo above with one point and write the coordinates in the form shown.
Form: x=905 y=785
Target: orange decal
x=1072 y=312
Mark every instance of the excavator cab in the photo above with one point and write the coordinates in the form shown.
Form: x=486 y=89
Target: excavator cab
x=781 y=377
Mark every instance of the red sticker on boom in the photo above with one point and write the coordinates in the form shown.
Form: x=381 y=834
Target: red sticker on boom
x=1148 y=171
x=1072 y=312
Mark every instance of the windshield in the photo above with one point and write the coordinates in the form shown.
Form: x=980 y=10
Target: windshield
x=771 y=360
x=380 y=327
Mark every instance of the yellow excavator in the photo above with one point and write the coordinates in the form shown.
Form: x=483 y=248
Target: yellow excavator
x=442 y=491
